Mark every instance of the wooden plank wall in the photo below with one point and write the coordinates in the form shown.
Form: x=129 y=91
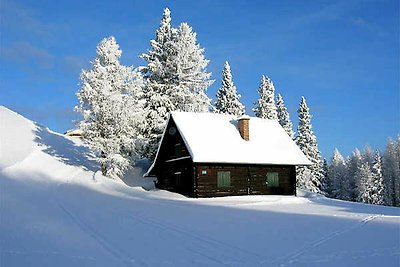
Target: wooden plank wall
x=167 y=177
x=244 y=180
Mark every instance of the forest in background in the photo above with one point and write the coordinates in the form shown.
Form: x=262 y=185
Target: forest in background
x=125 y=109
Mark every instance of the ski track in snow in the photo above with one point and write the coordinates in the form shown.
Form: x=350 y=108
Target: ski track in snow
x=227 y=255
x=292 y=257
x=46 y=253
x=118 y=254
x=353 y=254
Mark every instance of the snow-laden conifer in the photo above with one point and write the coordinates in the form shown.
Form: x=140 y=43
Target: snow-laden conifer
x=391 y=172
x=283 y=116
x=192 y=79
x=368 y=156
x=108 y=101
x=338 y=179
x=377 y=194
x=265 y=107
x=175 y=78
x=364 y=179
x=159 y=47
x=157 y=75
x=325 y=173
x=353 y=164
x=228 y=100
x=396 y=186
x=308 y=177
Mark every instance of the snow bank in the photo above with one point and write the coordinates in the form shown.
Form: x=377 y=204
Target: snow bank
x=16 y=137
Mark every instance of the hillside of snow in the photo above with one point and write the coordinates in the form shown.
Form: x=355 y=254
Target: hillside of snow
x=56 y=209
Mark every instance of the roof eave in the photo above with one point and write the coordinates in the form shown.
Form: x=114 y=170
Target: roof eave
x=253 y=163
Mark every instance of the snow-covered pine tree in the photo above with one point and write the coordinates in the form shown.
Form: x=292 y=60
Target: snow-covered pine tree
x=397 y=178
x=353 y=164
x=391 y=172
x=157 y=75
x=364 y=184
x=308 y=177
x=364 y=177
x=326 y=182
x=265 y=107
x=338 y=180
x=228 y=100
x=191 y=75
x=283 y=116
x=175 y=78
x=378 y=190
x=368 y=156
x=108 y=101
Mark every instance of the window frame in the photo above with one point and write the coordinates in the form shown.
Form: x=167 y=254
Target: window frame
x=272 y=179
x=224 y=179
x=178 y=150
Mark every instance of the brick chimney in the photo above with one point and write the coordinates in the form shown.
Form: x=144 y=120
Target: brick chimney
x=243 y=125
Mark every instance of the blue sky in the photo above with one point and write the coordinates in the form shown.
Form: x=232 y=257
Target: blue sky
x=343 y=56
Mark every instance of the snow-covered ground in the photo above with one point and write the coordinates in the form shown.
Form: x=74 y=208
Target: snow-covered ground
x=56 y=210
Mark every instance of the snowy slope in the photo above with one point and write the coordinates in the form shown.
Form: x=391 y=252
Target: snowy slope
x=56 y=210
x=13 y=147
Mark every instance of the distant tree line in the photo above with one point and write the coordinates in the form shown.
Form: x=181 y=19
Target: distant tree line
x=125 y=109
x=368 y=176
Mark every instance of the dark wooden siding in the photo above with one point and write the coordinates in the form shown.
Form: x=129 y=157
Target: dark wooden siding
x=176 y=172
x=174 y=167
x=245 y=179
x=177 y=176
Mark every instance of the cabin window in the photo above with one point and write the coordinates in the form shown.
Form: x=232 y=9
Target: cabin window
x=272 y=179
x=178 y=179
x=178 y=150
x=224 y=179
x=172 y=131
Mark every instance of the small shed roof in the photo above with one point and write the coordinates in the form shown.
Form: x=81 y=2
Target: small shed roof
x=74 y=132
x=214 y=138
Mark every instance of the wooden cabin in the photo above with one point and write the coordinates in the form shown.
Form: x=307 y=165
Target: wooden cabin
x=211 y=155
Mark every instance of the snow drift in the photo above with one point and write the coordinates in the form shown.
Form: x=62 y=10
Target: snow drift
x=57 y=210
x=16 y=137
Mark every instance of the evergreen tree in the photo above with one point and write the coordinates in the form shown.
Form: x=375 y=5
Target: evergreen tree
x=156 y=75
x=353 y=165
x=339 y=183
x=377 y=193
x=308 y=177
x=391 y=172
x=191 y=76
x=396 y=185
x=364 y=177
x=175 y=79
x=108 y=101
x=368 y=156
x=325 y=183
x=228 y=101
x=283 y=116
x=265 y=106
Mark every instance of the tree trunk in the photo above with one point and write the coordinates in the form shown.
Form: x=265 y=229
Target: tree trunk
x=103 y=166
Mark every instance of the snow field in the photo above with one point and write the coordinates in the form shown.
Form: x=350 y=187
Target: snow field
x=57 y=210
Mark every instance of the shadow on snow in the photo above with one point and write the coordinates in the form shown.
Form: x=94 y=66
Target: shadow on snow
x=64 y=149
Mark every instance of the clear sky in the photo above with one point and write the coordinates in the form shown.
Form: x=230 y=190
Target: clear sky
x=343 y=56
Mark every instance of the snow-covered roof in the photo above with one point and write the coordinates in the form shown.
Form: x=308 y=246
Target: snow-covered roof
x=214 y=138
x=74 y=132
